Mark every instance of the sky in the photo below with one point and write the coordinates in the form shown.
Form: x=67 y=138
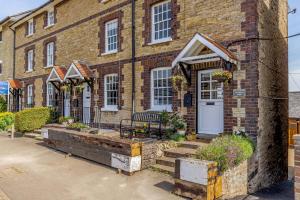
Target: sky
x=10 y=7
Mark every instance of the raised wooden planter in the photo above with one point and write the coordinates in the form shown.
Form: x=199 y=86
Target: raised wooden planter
x=121 y=154
x=198 y=179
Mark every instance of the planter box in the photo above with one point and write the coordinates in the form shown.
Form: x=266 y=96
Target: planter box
x=199 y=179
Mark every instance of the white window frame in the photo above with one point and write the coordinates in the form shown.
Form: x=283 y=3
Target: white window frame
x=220 y=97
x=50 y=100
x=30 y=27
x=107 y=37
x=110 y=107
x=50 y=18
x=153 y=25
x=166 y=107
x=30 y=60
x=50 y=54
x=30 y=94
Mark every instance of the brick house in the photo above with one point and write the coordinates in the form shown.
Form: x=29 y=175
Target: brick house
x=6 y=45
x=118 y=56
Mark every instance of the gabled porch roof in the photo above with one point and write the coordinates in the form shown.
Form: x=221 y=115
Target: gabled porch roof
x=79 y=70
x=190 y=54
x=57 y=74
x=15 y=84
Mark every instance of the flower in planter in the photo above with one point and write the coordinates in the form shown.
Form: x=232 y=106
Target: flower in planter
x=66 y=87
x=222 y=76
x=79 y=88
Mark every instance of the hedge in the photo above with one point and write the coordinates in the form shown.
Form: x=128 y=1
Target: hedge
x=32 y=119
x=6 y=120
x=228 y=151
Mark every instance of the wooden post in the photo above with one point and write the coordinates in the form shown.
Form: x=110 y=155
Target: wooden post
x=13 y=131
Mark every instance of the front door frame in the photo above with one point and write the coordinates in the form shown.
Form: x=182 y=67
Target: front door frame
x=198 y=72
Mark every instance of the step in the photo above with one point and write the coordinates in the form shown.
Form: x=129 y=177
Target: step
x=180 y=152
x=166 y=161
x=164 y=169
x=191 y=145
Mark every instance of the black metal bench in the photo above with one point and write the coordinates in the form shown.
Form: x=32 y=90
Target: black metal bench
x=151 y=122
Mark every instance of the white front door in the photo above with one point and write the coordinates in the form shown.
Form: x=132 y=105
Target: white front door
x=210 y=104
x=86 y=104
x=67 y=103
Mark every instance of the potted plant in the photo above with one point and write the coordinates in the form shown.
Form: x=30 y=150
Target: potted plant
x=222 y=76
x=142 y=132
x=191 y=137
x=178 y=124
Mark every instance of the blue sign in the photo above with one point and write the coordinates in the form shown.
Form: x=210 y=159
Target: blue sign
x=4 y=88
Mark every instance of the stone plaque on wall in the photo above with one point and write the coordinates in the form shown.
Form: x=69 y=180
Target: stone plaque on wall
x=239 y=112
x=239 y=75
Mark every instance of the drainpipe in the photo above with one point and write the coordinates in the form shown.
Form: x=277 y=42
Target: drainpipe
x=14 y=53
x=133 y=54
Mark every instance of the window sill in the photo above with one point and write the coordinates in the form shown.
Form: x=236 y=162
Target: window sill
x=49 y=26
x=29 y=36
x=109 y=53
x=29 y=71
x=160 y=41
x=105 y=109
x=47 y=67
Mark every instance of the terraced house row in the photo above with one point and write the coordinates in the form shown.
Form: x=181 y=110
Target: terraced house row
x=102 y=60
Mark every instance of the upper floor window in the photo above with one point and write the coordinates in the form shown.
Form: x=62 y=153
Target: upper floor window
x=161 y=22
x=30 y=27
x=30 y=95
x=111 y=91
x=50 y=18
x=30 y=60
x=50 y=54
x=161 y=84
x=111 y=36
x=50 y=95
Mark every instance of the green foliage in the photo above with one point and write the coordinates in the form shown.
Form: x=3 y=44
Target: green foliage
x=77 y=126
x=63 y=119
x=228 y=151
x=6 y=120
x=3 y=105
x=177 y=122
x=177 y=137
x=32 y=119
x=165 y=117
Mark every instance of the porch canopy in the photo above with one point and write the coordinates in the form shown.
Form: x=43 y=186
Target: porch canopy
x=15 y=84
x=202 y=49
x=79 y=72
x=56 y=76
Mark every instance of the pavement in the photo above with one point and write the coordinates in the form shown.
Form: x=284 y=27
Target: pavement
x=30 y=171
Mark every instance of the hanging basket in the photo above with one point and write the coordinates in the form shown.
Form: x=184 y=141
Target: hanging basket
x=222 y=76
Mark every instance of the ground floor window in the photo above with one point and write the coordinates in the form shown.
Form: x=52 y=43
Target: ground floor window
x=50 y=95
x=161 y=89
x=30 y=95
x=111 y=91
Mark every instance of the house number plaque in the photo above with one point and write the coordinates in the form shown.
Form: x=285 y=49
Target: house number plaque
x=239 y=93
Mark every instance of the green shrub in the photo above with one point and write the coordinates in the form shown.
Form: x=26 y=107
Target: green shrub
x=63 y=119
x=77 y=126
x=6 y=120
x=228 y=151
x=3 y=105
x=32 y=119
x=177 y=137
